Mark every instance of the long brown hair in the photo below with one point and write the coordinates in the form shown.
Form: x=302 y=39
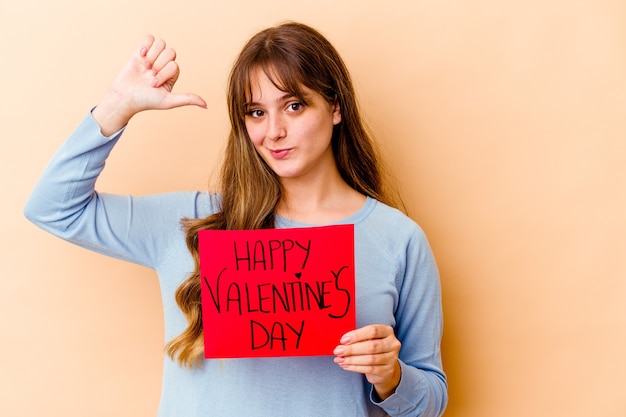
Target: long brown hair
x=292 y=55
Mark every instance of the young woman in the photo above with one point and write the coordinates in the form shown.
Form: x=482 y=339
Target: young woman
x=297 y=155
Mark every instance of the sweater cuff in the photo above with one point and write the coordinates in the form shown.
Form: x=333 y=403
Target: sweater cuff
x=404 y=397
x=91 y=122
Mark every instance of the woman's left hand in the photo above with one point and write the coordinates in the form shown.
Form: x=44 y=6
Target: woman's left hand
x=372 y=350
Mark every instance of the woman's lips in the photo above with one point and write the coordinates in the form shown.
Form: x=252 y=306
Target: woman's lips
x=280 y=153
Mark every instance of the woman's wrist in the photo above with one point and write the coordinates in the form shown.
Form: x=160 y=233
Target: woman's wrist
x=111 y=114
x=385 y=389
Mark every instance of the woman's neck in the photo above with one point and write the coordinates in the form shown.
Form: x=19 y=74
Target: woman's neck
x=319 y=201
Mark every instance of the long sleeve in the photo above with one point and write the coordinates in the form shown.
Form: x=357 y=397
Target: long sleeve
x=398 y=284
x=64 y=202
x=419 y=324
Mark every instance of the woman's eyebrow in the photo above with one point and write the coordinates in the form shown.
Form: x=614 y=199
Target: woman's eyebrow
x=281 y=99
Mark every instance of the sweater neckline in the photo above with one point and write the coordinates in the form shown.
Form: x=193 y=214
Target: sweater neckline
x=284 y=223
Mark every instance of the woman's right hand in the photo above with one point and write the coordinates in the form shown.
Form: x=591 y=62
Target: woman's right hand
x=144 y=83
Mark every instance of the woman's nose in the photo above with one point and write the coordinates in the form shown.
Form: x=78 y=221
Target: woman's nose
x=275 y=128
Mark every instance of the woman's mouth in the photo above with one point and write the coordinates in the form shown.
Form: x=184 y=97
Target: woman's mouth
x=280 y=153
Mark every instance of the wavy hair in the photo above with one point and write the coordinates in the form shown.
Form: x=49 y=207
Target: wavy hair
x=292 y=55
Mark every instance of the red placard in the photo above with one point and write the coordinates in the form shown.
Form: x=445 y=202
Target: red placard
x=276 y=292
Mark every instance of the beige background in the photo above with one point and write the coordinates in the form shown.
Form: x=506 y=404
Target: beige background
x=503 y=120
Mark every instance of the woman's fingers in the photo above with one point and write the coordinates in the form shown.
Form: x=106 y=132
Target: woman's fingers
x=166 y=76
x=373 y=351
x=166 y=56
x=365 y=348
x=184 y=99
x=371 y=332
x=155 y=49
x=145 y=44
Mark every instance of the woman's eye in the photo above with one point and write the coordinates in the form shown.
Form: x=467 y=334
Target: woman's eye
x=255 y=113
x=295 y=106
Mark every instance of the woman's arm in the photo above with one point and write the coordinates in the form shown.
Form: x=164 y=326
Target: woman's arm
x=64 y=201
x=403 y=364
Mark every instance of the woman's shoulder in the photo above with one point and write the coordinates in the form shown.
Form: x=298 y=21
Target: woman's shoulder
x=390 y=228
x=390 y=218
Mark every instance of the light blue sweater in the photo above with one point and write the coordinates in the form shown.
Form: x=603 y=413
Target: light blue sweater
x=397 y=283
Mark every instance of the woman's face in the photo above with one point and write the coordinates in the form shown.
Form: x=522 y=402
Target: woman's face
x=292 y=137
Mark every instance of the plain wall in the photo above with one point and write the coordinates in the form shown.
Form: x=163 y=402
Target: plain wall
x=504 y=122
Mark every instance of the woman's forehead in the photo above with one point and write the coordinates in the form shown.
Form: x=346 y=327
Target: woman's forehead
x=268 y=75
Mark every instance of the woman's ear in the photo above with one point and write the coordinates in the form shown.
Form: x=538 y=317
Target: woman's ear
x=336 y=113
